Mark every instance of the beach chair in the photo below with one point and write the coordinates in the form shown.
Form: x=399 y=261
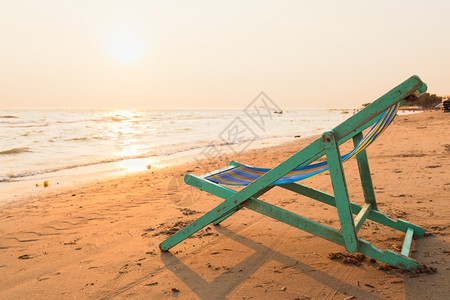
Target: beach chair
x=257 y=181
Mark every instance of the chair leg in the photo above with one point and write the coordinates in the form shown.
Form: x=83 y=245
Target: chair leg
x=216 y=215
x=340 y=191
x=192 y=228
x=364 y=173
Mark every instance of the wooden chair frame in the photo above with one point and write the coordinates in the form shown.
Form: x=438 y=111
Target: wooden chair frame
x=327 y=145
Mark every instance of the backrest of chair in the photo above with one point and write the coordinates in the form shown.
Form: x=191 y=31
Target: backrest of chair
x=244 y=175
x=343 y=132
x=366 y=117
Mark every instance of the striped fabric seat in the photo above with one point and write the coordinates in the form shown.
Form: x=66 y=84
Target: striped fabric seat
x=244 y=175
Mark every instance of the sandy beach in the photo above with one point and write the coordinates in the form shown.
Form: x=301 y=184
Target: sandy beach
x=100 y=240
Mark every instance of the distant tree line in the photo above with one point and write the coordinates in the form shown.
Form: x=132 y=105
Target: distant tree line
x=426 y=100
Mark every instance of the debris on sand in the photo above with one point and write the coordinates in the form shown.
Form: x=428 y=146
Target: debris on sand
x=172 y=229
x=355 y=259
x=188 y=212
x=422 y=269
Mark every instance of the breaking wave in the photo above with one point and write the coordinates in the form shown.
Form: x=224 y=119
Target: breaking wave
x=15 y=151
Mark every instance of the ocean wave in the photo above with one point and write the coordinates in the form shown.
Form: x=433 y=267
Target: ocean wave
x=6 y=178
x=94 y=120
x=87 y=138
x=29 y=173
x=161 y=152
x=14 y=151
x=197 y=146
x=29 y=125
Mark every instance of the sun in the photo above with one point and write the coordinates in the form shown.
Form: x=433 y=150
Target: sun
x=125 y=47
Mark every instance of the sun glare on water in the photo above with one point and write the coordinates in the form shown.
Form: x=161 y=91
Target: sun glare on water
x=125 y=46
x=123 y=131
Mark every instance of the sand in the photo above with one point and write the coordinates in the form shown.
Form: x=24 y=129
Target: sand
x=100 y=240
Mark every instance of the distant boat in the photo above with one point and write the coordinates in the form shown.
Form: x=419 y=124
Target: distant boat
x=280 y=112
x=344 y=112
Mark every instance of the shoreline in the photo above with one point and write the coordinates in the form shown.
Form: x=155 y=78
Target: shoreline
x=23 y=186
x=100 y=239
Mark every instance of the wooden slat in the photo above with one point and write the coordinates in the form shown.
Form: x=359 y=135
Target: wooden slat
x=362 y=215
x=406 y=249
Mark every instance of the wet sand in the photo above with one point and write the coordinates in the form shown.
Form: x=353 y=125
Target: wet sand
x=100 y=240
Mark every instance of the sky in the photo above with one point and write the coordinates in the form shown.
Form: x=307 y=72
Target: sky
x=106 y=54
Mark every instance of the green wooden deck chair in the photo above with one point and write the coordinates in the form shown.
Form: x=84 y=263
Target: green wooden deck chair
x=286 y=175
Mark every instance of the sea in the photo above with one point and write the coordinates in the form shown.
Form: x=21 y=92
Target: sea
x=66 y=146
